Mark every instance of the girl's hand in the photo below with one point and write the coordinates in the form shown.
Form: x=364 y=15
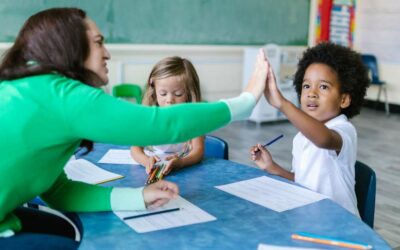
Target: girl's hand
x=272 y=92
x=172 y=161
x=262 y=158
x=150 y=163
x=159 y=193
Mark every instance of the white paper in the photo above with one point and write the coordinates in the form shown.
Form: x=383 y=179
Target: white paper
x=273 y=247
x=118 y=156
x=85 y=171
x=187 y=214
x=273 y=194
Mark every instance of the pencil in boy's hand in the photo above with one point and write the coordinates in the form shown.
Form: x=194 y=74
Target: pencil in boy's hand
x=270 y=142
x=329 y=241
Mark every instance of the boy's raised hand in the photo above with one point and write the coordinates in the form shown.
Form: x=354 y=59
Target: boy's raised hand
x=258 y=80
x=159 y=193
x=272 y=92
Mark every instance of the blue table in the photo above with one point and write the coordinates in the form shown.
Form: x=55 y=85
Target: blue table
x=240 y=224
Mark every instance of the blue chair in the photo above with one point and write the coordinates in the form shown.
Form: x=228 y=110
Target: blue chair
x=372 y=65
x=38 y=201
x=365 y=191
x=127 y=90
x=215 y=147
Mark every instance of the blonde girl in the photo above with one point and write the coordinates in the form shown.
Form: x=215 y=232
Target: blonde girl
x=173 y=80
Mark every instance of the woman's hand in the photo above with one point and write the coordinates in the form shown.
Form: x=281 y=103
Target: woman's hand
x=258 y=80
x=159 y=193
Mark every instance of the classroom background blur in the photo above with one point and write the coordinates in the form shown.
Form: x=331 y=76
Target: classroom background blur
x=218 y=36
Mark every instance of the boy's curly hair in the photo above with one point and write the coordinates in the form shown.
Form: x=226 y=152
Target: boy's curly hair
x=349 y=67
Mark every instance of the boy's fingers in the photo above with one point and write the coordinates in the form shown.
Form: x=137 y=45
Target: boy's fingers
x=261 y=148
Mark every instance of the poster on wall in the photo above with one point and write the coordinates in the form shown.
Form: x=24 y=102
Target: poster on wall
x=335 y=21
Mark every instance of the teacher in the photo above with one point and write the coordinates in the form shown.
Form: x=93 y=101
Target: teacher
x=51 y=103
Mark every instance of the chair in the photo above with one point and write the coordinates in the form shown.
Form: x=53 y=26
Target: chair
x=365 y=191
x=372 y=65
x=215 y=147
x=127 y=90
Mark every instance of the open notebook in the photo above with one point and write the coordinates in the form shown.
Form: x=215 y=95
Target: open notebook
x=85 y=171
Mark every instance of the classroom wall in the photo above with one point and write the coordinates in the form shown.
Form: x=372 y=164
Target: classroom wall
x=211 y=33
x=219 y=67
x=377 y=31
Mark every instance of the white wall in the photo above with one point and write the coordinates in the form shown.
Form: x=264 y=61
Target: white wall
x=378 y=32
x=219 y=67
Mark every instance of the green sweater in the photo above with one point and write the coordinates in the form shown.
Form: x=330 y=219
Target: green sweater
x=42 y=121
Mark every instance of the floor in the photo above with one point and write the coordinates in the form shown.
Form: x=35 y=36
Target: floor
x=378 y=137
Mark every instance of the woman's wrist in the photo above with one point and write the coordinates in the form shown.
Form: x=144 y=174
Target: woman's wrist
x=241 y=107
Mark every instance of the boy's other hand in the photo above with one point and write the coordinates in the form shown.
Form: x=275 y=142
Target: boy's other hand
x=261 y=157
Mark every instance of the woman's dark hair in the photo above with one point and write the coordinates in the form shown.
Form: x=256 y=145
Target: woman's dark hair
x=348 y=65
x=53 y=40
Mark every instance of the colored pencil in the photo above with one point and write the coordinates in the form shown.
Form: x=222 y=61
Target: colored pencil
x=270 y=142
x=329 y=241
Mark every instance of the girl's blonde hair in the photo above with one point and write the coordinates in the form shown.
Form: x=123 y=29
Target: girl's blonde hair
x=173 y=66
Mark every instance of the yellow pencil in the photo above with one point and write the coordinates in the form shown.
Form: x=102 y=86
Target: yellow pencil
x=329 y=241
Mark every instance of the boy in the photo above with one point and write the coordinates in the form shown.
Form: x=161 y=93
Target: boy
x=331 y=83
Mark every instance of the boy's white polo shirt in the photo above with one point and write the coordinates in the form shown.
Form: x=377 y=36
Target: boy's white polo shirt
x=326 y=172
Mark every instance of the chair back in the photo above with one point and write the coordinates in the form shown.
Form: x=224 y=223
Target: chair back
x=372 y=65
x=127 y=90
x=365 y=191
x=215 y=147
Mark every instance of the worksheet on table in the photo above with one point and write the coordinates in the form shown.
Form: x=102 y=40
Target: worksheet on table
x=118 y=156
x=273 y=194
x=187 y=214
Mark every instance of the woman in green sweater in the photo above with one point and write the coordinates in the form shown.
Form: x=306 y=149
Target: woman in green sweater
x=51 y=103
